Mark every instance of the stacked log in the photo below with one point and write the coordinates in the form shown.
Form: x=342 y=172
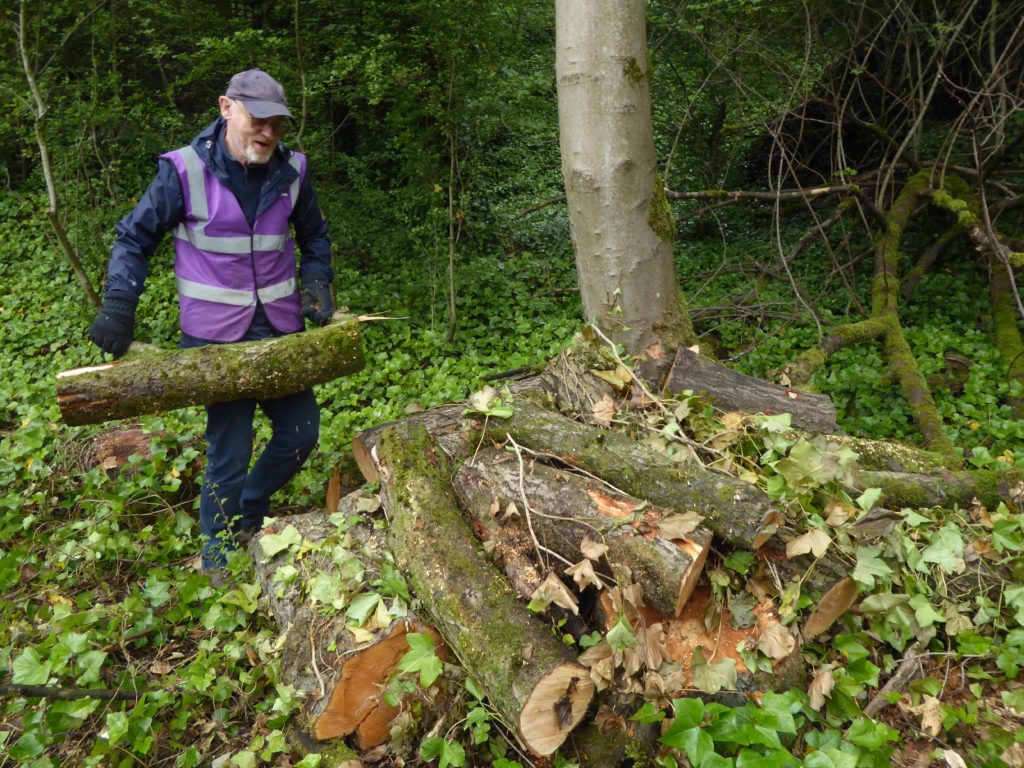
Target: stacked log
x=531 y=677
x=343 y=676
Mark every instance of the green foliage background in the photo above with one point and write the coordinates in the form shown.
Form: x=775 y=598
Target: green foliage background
x=95 y=570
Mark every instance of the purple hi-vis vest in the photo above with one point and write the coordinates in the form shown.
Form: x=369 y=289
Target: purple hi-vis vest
x=223 y=266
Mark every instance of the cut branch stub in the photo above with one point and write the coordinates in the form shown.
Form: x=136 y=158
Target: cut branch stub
x=737 y=513
x=530 y=677
x=169 y=379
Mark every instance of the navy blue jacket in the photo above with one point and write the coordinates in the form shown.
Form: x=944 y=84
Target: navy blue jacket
x=162 y=208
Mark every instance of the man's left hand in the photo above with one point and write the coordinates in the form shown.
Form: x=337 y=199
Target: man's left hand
x=317 y=302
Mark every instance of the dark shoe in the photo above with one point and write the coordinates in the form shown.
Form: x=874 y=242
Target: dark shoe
x=246 y=535
x=221 y=578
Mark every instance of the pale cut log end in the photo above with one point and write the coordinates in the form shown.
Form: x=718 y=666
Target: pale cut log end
x=697 y=548
x=554 y=707
x=358 y=695
x=363 y=454
x=87 y=369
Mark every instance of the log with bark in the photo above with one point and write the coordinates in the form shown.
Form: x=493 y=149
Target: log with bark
x=342 y=676
x=562 y=509
x=168 y=379
x=730 y=390
x=531 y=678
x=736 y=512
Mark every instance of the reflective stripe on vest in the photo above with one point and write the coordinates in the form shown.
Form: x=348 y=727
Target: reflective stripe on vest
x=235 y=298
x=194 y=173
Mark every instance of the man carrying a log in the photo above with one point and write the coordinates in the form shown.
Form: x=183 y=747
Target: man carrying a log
x=231 y=199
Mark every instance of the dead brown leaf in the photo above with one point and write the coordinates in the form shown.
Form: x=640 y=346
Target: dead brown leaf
x=679 y=526
x=820 y=688
x=552 y=590
x=776 y=642
x=832 y=605
x=603 y=411
x=814 y=541
x=593 y=550
x=584 y=575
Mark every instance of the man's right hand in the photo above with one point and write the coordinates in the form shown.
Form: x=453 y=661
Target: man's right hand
x=114 y=327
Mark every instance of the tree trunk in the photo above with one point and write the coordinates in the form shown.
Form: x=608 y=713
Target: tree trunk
x=530 y=676
x=622 y=228
x=732 y=391
x=562 y=509
x=169 y=379
x=343 y=678
x=737 y=513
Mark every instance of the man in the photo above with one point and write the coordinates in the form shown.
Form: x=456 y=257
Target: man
x=231 y=198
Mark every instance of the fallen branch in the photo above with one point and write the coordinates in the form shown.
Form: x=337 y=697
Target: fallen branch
x=67 y=694
x=168 y=379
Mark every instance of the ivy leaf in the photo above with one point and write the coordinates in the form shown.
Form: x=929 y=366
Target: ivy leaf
x=867 y=500
x=946 y=550
x=326 y=588
x=648 y=713
x=814 y=541
x=421 y=658
x=869 y=566
x=361 y=607
x=711 y=677
x=925 y=614
x=30 y=669
x=620 y=636
x=272 y=543
x=450 y=753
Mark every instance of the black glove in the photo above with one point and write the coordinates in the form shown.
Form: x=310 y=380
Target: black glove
x=317 y=302
x=114 y=327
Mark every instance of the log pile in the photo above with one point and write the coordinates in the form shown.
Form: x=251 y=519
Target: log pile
x=572 y=571
x=508 y=528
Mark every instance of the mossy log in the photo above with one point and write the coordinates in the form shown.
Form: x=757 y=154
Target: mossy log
x=530 y=677
x=343 y=678
x=450 y=431
x=736 y=512
x=563 y=509
x=731 y=390
x=168 y=379
x=946 y=489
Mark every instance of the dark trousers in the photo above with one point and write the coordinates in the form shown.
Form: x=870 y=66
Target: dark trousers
x=235 y=498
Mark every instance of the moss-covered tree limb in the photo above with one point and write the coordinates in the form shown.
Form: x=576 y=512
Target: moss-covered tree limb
x=738 y=513
x=945 y=489
x=1006 y=329
x=531 y=678
x=810 y=360
x=168 y=379
x=885 y=325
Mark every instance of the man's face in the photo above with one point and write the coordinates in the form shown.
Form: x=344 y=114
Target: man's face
x=250 y=139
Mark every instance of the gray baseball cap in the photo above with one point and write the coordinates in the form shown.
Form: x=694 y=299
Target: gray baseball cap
x=262 y=95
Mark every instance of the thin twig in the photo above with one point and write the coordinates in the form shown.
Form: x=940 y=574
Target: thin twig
x=526 y=509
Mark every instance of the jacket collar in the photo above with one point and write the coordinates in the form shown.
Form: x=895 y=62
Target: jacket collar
x=209 y=147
